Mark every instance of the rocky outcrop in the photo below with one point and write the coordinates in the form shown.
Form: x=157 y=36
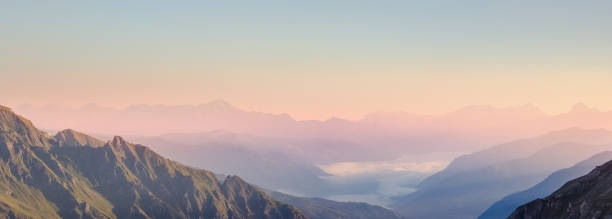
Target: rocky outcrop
x=72 y=138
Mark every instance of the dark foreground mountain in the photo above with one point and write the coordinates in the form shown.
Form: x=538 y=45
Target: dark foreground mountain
x=318 y=208
x=472 y=183
x=505 y=206
x=589 y=196
x=72 y=175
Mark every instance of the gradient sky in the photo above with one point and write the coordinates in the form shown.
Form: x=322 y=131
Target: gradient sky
x=311 y=59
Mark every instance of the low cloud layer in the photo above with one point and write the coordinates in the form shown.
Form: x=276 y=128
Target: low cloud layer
x=402 y=164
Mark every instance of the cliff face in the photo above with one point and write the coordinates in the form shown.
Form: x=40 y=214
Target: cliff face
x=589 y=196
x=73 y=175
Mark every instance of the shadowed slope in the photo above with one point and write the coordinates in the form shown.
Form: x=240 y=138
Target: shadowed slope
x=472 y=183
x=72 y=138
x=74 y=176
x=318 y=208
x=589 y=196
x=505 y=206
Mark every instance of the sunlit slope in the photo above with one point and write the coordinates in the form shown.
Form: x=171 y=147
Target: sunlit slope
x=75 y=176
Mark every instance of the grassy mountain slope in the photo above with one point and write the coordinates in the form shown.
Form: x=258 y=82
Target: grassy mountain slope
x=73 y=175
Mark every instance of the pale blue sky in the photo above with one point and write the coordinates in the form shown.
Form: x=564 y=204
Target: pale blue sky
x=347 y=57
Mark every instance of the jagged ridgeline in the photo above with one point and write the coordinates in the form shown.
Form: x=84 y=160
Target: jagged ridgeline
x=72 y=175
x=586 y=197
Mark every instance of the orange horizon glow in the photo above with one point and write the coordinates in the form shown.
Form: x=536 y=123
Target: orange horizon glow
x=312 y=60
x=357 y=116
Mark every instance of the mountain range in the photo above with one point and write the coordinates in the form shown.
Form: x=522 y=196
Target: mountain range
x=585 y=197
x=508 y=204
x=278 y=145
x=266 y=162
x=280 y=164
x=72 y=175
x=472 y=183
x=464 y=130
x=278 y=152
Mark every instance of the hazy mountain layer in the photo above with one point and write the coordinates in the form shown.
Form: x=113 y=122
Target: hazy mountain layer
x=471 y=183
x=290 y=154
x=279 y=165
x=259 y=161
x=318 y=208
x=75 y=176
x=586 y=197
x=464 y=130
x=505 y=206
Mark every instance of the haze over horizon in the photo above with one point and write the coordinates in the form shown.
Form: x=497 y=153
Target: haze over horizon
x=306 y=109
x=313 y=60
x=228 y=104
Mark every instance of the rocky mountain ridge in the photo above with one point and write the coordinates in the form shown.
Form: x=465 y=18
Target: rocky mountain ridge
x=589 y=196
x=72 y=175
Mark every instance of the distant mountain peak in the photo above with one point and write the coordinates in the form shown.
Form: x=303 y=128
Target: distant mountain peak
x=530 y=107
x=220 y=104
x=335 y=119
x=579 y=131
x=118 y=141
x=72 y=138
x=93 y=106
x=526 y=108
x=582 y=108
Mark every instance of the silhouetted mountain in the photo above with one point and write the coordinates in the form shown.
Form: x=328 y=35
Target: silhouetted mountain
x=318 y=208
x=585 y=197
x=471 y=183
x=505 y=206
x=74 y=176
